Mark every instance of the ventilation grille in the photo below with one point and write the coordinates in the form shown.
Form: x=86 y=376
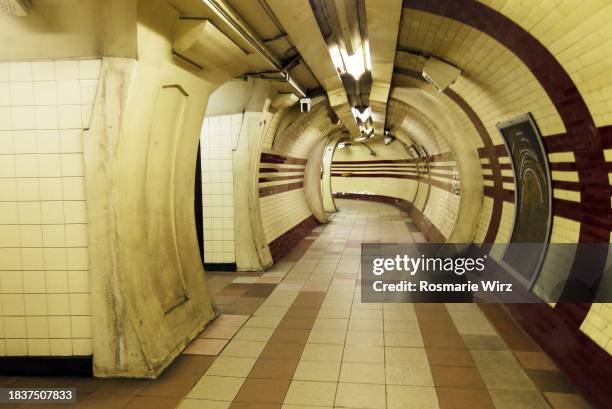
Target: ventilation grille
x=14 y=7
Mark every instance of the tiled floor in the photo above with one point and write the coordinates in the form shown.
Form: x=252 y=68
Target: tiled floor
x=299 y=337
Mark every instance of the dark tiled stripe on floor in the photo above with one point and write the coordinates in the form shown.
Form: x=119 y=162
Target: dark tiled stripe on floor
x=457 y=381
x=268 y=382
x=541 y=370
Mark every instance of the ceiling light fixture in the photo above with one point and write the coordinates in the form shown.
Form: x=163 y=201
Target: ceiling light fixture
x=364 y=114
x=354 y=63
x=336 y=56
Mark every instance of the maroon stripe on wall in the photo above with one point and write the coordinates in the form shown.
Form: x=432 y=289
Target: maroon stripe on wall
x=372 y=162
x=280 y=170
x=491 y=152
x=274 y=158
x=278 y=178
x=586 y=141
x=273 y=190
x=374 y=175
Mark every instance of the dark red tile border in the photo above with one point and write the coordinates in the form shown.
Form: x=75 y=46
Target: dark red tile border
x=284 y=243
x=273 y=190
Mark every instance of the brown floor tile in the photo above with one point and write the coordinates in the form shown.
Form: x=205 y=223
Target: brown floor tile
x=157 y=402
x=231 y=292
x=219 y=332
x=247 y=309
x=192 y=364
x=535 y=360
x=105 y=401
x=232 y=320
x=201 y=346
x=297 y=323
x=260 y=290
x=438 y=328
x=464 y=398
x=456 y=376
x=83 y=385
x=274 y=368
x=443 y=341
x=302 y=312
x=566 y=401
x=484 y=342
x=282 y=350
x=171 y=385
x=252 y=405
x=124 y=386
x=263 y=390
x=550 y=381
x=449 y=357
x=299 y=336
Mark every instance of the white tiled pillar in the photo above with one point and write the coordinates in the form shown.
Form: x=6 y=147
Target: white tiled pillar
x=44 y=279
x=219 y=134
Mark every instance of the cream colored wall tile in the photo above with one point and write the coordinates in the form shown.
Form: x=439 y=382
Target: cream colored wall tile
x=59 y=327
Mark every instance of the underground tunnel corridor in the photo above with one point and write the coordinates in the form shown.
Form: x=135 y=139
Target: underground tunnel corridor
x=200 y=199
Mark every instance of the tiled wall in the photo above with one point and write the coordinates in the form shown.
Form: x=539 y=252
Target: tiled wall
x=437 y=194
x=44 y=280
x=281 y=193
x=521 y=64
x=219 y=136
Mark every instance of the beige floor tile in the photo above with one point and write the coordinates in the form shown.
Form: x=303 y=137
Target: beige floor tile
x=518 y=400
x=358 y=395
x=216 y=388
x=333 y=313
x=285 y=406
x=514 y=379
x=322 y=352
x=366 y=314
x=411 y=326
x=260 y=321
x=203 y=404
x=254 y=334
x=364 y=354
x=250 y=349
x=416 y=375
x=411 y=397
x=201 y=346
x=354 y=372
x=311 y=393
x=326 y=337
x=404 y=339
x=231 y=320
x=566 y=401
x=365 y=325
x=494 y=359
x=271 y=311
x=365 y=338
x=231 y=366
x=331 y=324
x=317 y=371
x=406 y=356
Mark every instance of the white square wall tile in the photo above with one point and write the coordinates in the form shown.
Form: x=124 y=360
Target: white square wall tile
x=22 y=93
x=68 y=92
x=46 y=117
x=22 y=117
x=5 y=94
x=5 y=119
x=20 y=71
x=45 y=93
x=43 y=70
x=69 y=117
x=66 y=70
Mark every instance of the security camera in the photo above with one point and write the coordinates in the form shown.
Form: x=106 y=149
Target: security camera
x=305 y=104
